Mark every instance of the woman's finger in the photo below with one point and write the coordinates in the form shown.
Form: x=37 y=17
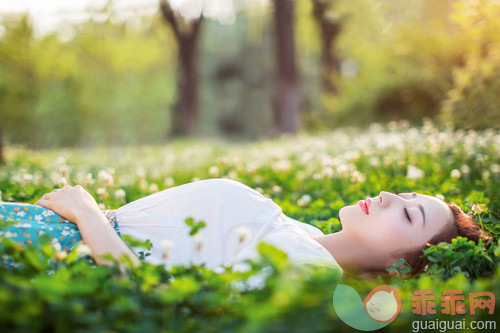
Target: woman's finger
x=48 y=196
x=44 y=203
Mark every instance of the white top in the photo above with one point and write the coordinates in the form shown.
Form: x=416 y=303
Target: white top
x=231 y=211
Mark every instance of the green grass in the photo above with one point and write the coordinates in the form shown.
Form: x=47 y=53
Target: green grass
x=310 y=176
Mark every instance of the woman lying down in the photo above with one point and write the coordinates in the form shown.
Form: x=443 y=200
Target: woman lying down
x=375 y=234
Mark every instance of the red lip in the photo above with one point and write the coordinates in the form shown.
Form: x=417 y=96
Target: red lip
x=364 y=205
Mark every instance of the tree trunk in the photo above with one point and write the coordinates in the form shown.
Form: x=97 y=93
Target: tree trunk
x=2 y=158
x=330 y=27
x=287 y=113
x=186 y=109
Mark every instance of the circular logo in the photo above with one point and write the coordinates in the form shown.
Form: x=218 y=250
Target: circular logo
x=379 y=309
x=383 y=303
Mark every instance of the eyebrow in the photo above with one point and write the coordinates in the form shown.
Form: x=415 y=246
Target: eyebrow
x=414 y=195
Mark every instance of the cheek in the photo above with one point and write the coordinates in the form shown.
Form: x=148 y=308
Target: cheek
x=397 y=227
x=393 y=233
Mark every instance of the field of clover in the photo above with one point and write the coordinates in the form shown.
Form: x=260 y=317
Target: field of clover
x=310 y=176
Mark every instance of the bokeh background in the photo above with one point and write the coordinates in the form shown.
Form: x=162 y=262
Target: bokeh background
x=103 y=72
x=315 y=104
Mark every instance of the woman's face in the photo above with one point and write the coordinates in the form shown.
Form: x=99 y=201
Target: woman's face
x=394 y=224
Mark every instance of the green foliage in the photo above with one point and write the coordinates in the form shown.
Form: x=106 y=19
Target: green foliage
x=449 y=259
x=113 y=82
x=476 y=80
x=412 y=60
x=310 y=177
x=195 y=226
x=85 y=90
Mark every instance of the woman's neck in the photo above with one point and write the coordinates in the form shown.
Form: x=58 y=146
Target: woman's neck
x=350 y=254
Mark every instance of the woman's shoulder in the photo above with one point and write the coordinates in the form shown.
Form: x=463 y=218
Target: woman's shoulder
x=308 y=228
x=295 y=238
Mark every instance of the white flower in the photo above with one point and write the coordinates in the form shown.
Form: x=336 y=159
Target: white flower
x=153 y=187
x=169 y=182
x=140 y=172
x=83 y=249
x=440 y=196
x=167 y=244
x=455 y=174
x=343 y=170
x=56 y=245
x=328 y=172
x=414 y=173
x=252 y=167
x=47 y=213
x=21 y=213
x=465 y=169
x=63 y=181
x=486 y=175
x=478 y=208
x=65 y=233
x=120 y=194
x=88 y=179
x=374 y=161
x=277 y=188
x=213 y=171
x=101 y=191
x=198 y=240
x=243 y=233
x=38 y=217
x=282 y=165
x=105 y=178
x=28 y=177
x=60 y=160
x=60 y=255
x=495 y=169
x=304 y=200
x=357 y=177
x=232 y=174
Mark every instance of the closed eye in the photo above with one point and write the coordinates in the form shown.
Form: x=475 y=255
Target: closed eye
x=407 y=216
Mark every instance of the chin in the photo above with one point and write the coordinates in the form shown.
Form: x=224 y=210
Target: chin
x=348 y=213
x=343 y=213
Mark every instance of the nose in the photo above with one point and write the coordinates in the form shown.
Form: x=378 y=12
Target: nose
x=386 y=198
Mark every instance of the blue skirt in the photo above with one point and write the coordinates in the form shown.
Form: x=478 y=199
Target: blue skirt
x=26 y=222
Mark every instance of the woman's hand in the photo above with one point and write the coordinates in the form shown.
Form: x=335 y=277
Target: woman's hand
x=77 y=205
x=71 y=202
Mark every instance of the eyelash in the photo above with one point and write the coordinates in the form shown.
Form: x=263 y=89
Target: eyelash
x=407 y=216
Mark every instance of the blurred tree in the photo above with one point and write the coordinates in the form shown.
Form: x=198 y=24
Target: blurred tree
x=18 y=81
x=186 y=32
x=476 y=80
x=287 y=102
x=236 y=77
x=330 y=25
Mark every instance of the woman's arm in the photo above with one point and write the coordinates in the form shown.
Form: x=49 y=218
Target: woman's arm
x=78 y=206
